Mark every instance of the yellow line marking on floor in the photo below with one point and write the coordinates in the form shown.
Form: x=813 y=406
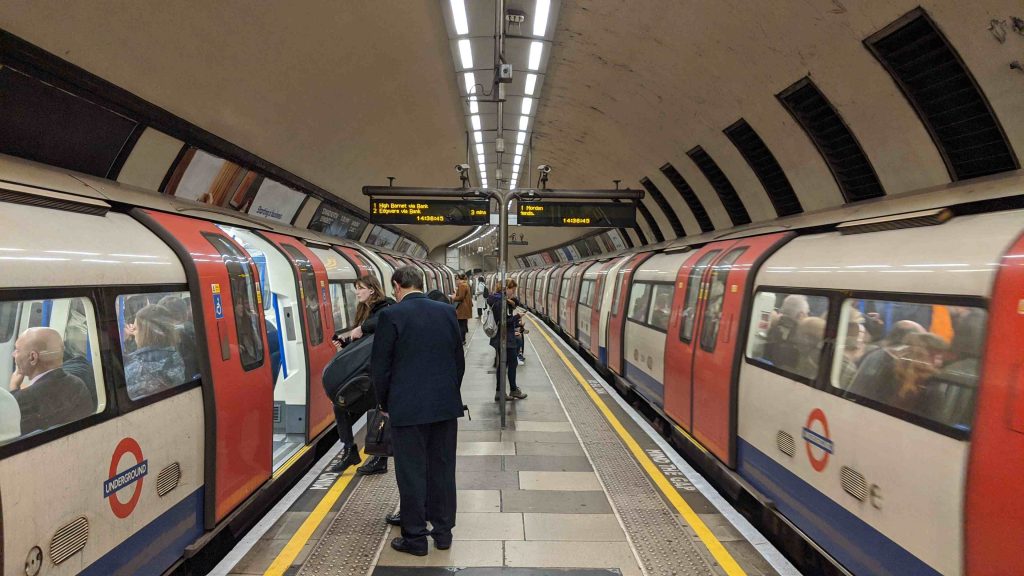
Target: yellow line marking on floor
x=290 y=462
x=725 y=560
x=298 y=540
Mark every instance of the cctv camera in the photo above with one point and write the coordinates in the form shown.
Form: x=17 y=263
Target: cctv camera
x=544 y=168
x=462 y=167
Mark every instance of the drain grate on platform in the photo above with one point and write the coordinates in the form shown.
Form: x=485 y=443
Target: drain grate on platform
x=349 y=547
x=663 y=543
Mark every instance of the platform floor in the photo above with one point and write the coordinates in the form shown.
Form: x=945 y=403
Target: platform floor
x=575 y=485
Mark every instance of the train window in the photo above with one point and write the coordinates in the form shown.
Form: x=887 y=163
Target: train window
x=246 y=299
x=158 y=342
x=661 y=306
x=50 y=365
x=639 y=301
x=689 y=322
x=587 y=293
x=310 y=294
x=916 y=359
x=563 y=292
x=786 y=333
x=716 y=297
x=343 y=304
x=618 y=290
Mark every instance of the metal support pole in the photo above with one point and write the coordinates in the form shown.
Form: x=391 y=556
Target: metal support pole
x=502 y=324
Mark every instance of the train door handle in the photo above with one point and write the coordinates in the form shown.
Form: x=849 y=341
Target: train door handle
x=225 y=343
x=728 y=329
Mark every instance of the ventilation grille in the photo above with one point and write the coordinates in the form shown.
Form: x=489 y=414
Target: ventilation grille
x=897 y=222
x=278 y=413
x=689 y=196
x=659 y=199
x=945 y=95
x=16 y=194
x=845 y=158
x=168 y=479
x=649 y=218
x=731 y=200
x=854 y=483
x=766 y=167
x=69 y=540
x=786 y=443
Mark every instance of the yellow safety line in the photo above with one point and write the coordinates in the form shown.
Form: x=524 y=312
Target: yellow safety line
x=725 y=560
x=298 y=540
x=291 y=461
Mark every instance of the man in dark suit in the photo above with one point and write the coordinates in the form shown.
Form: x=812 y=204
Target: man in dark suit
x=47 y=395
x=416 y=368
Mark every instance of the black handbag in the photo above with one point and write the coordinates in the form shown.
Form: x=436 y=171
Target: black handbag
x=378 y=433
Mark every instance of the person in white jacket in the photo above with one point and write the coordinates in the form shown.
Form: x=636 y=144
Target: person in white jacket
x=480 y=296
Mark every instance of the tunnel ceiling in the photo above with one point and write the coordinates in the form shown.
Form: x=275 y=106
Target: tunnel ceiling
x=346 y=94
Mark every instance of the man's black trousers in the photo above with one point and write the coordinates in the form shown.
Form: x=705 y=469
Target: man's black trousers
x=425 y=470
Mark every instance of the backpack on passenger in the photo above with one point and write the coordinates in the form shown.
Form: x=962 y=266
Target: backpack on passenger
x=488 y=323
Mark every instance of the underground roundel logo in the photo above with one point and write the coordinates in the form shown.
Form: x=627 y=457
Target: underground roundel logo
x=128 y=480
x=816 y=437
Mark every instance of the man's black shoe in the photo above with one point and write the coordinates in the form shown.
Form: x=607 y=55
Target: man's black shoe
x=394 y=519
x=402 y=545
x=443 y=543
x=375 y=465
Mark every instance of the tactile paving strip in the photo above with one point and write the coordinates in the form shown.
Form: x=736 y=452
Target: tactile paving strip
x=661 y=540
x=349 y=547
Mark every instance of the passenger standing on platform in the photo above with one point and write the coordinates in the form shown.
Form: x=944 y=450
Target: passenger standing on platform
x=480 y=296
x=464 y=306
x=371 y=300
x=514 y=330
x=417 y=370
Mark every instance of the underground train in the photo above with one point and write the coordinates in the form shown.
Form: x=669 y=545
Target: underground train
x=858 y=371
x=183 y=433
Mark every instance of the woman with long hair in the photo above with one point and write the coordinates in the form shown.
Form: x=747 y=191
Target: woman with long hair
x=372 y=300
x=515 y=331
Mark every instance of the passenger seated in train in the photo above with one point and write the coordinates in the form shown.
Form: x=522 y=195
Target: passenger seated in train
x=77 y=365
x=779 y=348
x=902 y=375
x=662 y=308
x=955 y=385
x=47 y=396
x=181 y=315
x=853 y=349
x=156 y=364
x=806 y=341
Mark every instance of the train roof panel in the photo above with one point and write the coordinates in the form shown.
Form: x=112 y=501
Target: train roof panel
x=661 y=267
x=958 y=257
x=43 y=247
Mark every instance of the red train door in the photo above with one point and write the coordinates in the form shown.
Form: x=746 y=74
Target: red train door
x=572 y=298
x=682 y=326
x=595 y=310
x=994 y=511
x=554 y=284
x=724 y=291
x=616 y=320
x=317 y=321
x=238 y=389
x=356 y=259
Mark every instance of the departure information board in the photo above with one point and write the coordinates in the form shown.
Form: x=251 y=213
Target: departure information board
x=578 y=214
x=422 y=211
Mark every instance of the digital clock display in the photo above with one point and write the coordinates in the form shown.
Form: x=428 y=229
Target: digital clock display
x=425 y=211
x=577 y=214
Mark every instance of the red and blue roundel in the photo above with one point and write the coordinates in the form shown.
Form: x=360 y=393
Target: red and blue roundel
x=128 y=480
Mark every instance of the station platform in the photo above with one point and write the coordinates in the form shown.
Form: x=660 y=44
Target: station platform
x=577 y=484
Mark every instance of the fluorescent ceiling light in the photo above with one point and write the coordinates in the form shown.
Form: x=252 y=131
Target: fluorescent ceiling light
x=517 y=159
x=476 y=121
x=540 y=17
x=466 y=52
x=536 y=49
x=481 y=159
x=459 y=16
x=524 y=121
x=474 y=108
x=519 y=149
x=478 y=136
x=527 y=105
x=470 y=81
x=521 y=137
x=531 y=83
x=479 y=148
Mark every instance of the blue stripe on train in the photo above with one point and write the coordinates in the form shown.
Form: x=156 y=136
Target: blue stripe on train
x=602 y=355
x=853 y=542
x=647 y=386
x=154 y=548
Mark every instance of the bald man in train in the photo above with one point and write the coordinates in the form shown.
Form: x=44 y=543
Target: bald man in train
x=47 y=395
